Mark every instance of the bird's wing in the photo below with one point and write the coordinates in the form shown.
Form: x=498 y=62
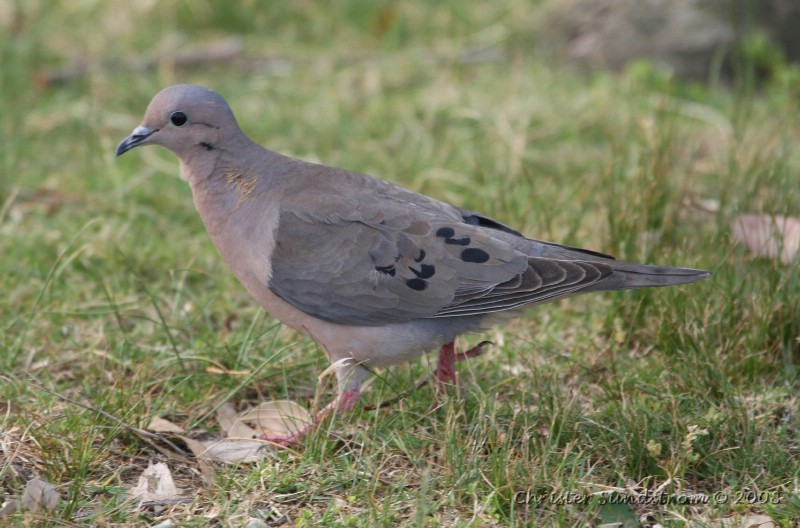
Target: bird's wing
x=378 y=258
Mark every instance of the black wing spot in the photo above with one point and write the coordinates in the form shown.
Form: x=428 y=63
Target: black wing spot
x=207 y=146
x=388 y=270
x=448 y=233
x=463 y=241
x=416 y=284
x=421 y=256
x=476 y=255
x=478 y=220
x=426 y=271
x=445 y=232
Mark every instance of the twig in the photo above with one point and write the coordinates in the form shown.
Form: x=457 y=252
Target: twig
x=223 y=51
x=232 y=50
x=147 y=436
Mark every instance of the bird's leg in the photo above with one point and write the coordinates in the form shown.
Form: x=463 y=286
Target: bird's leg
x=345 y=401
x=349 y=378
x=446 y=365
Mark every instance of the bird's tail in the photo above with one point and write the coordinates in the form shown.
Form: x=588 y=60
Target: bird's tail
x=628 y=276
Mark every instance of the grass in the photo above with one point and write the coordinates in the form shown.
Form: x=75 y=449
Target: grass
x=115 y=297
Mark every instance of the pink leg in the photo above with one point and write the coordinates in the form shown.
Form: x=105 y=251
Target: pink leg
x=350 y=379
x=343 y=403
x=446 y=365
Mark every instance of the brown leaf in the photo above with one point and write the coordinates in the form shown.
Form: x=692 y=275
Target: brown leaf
x=8 y=508
x=226 y=417
x=227 y=450
x=39 y=495
x=155 y=484
x=769 y=236
x=758 y=521
x=161 y=425
x=271 y=418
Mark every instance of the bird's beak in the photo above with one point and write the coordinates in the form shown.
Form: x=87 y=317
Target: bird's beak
x=138 y=137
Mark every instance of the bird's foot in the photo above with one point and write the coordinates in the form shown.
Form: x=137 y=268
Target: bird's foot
x=475 y=351
x=446 y=365
x=286 y=440
x=342 y=403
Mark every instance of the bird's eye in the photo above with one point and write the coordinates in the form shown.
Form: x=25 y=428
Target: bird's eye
x=178 y=118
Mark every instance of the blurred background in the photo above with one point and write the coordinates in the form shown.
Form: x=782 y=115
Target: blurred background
x=655 y=130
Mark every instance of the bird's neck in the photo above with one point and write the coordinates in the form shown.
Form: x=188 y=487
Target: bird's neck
x=240 y=213
x=225 y=189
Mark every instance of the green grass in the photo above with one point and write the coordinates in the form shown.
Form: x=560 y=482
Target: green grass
x=115 y=297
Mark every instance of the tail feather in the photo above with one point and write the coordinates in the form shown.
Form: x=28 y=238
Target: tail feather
x=628 y=276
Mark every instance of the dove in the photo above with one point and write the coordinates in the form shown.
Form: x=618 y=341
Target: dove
x=375 y=273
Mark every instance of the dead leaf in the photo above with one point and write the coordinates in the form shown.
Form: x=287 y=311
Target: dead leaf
x=748 y=521
x=707 y=205
x=155 y=484
x=161 y=425
x=271 y=418
x=241 y=430
x=279 y=417
x=197 y=449
x=758 y=521
x=8 y=508
x=769 y=236
x=39 y=495
x=226 y=417
x=227 y=450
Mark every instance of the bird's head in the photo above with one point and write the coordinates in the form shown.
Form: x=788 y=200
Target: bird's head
x=185 y=119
